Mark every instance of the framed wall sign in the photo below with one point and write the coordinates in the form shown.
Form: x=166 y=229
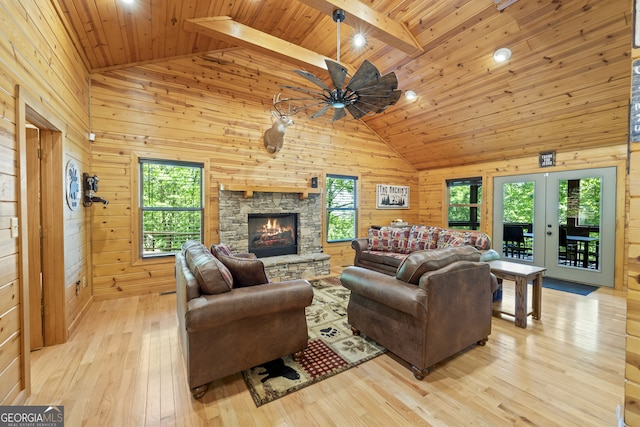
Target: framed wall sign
x=392 y=196
x=547 y=159
x=72 y=184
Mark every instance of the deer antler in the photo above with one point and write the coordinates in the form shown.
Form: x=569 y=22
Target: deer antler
x=277 y=102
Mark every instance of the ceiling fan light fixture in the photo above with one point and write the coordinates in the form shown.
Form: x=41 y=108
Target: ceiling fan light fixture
x=502 y=54
x=338 y=105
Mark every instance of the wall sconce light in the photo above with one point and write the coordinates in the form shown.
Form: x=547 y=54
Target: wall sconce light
x=502 y=55
x=90 y=188
x=410 y=95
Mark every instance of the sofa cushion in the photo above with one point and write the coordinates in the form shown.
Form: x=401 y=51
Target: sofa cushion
x=419 y=262
x=388 y=258
x=245 y=271
x=213 y=277
x=399 y=239
x=422 y=237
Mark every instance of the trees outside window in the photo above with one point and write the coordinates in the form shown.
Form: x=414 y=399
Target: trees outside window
x=172 y=205
x=464 y=199
x=341 y=208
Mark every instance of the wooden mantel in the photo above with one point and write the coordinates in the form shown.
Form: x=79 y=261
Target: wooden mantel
x=250 y=189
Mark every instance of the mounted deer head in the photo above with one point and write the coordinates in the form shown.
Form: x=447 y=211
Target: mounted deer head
x=274 y=137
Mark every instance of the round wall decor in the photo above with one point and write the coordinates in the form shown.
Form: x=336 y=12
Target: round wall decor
x=72 y=174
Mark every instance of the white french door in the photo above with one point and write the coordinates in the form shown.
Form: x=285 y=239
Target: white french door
x=565 y=221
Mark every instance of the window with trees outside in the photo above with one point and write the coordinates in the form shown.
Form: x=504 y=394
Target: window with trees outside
x=171 y=205
x=341 y=208
x=464 y=200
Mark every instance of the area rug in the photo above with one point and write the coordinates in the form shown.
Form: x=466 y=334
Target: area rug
x=332 y=348
x=566 y=286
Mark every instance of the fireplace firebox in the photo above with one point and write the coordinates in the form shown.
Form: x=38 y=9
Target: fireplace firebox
x=273 y=234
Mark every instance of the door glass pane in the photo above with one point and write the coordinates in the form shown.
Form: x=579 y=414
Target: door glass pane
x=517 y=220
x=579 y=204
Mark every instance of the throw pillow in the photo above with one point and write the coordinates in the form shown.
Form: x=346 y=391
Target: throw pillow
x=214 y=278
x=379 y=239
x=220 y=249
x=419 y=262
x=245 y=271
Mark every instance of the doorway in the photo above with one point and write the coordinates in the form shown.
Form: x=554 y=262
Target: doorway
x=563 y=221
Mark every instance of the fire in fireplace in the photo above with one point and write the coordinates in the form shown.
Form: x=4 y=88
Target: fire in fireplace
x=273 y=234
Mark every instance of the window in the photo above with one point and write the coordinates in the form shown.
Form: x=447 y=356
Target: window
x=465 y=199
x=341 y=208
x=171 y=205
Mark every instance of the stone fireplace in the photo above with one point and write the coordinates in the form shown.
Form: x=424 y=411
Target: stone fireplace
x=273 y=234
x=306 y=259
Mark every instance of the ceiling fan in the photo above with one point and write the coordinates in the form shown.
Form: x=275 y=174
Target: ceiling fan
x=366 y=93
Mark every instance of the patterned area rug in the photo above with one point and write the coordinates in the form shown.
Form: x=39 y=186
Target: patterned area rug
x=332 y=348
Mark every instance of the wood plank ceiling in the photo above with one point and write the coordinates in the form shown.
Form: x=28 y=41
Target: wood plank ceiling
x=566 y=87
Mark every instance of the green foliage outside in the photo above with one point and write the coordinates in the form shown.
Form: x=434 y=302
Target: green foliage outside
x=171 y=206
x=518 y=197
x=341 y=208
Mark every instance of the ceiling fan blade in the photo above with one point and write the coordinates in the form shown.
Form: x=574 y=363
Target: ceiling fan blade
x=338 y=114
x=337 y=72
x=320 y=112
x=366 y=75
x=313 y=79
x=356 y=111
x=380 y=102
x=304 y=90
x=386 y=83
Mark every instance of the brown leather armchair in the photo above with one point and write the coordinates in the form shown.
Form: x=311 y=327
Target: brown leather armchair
x=224 y=330
x=438 y=304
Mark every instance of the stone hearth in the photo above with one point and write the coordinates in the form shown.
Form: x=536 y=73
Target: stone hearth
x=310 y=261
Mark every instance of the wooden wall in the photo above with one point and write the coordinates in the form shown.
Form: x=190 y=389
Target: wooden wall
x=433 y=188
x=632 y=369
x=194 y=109
x=39 y=57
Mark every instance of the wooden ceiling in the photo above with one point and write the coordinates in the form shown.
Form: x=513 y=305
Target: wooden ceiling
x=566 y=86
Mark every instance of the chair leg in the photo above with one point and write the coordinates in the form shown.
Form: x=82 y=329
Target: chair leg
x=419 y=374
x=198 y=392
x=355 y=331
x=297 y=356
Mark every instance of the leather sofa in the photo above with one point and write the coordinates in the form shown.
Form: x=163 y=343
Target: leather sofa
x=230 y=317
x=438 y=304
x=385 y=248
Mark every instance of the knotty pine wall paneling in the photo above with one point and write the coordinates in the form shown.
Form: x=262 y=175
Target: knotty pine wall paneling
x=433 y=189
x=632 y=368
x=40 y=58
x=195 y=108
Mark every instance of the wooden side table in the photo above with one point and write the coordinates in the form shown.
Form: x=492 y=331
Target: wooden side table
x=521 y=274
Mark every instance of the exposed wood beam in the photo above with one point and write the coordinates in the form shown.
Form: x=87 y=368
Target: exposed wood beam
x=378 y=25
x=228 y=30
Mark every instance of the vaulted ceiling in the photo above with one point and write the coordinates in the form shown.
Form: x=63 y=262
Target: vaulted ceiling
x=566 y=86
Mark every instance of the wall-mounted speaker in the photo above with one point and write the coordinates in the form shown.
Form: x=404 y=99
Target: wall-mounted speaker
x=314 y=182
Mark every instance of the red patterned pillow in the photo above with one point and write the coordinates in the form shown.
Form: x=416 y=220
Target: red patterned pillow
x=220 y=249
x=398 y=239
x=422 y=237
x=379 y=239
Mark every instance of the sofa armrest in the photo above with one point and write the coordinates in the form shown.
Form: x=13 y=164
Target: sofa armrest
x=210 y=311
x=385 y=289
x=360 y=244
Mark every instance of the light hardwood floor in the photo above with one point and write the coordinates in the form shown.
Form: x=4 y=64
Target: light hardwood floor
x=123 y=367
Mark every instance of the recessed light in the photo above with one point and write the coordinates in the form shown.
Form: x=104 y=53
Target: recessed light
x=410 y=95
x=502 y=55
